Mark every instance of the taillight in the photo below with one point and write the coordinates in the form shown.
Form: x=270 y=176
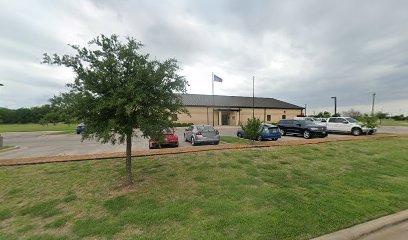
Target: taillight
x=199 y=133
x=216 y=132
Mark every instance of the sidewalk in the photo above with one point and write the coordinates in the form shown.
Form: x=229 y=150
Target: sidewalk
x=393 y=227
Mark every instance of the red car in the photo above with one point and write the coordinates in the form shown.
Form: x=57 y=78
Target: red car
x=170 y=139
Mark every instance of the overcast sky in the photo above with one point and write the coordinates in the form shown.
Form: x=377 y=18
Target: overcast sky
x=302 y=52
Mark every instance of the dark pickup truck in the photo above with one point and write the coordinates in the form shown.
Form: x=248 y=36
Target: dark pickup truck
x=306 y=128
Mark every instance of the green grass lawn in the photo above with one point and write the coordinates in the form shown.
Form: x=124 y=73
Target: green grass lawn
x=32 y=127
x=270 y=193
x=5 y=147
x=391 y=122
x=228 y=139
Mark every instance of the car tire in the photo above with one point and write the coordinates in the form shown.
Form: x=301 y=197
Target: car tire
x=356 y=131
x=239 y=135
x=259 y=138
x=282 y=131
x=193 y=142
x=185 y=139
x=307 y=134
x=216 y=143
x=274 y=139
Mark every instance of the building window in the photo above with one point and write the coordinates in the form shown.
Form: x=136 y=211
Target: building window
x=283 y=116
x=268 y=118
x=174 y=117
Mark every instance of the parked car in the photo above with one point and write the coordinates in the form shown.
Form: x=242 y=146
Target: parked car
x=346 y=125
x=169 y=139
x=307 y=129
x=268 y=131
x=80 y=128
x=201 y=134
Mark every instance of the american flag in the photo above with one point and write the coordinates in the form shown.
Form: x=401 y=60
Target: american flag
x=217 y=79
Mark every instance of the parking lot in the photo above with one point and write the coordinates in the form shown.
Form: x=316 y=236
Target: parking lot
x=36 y=144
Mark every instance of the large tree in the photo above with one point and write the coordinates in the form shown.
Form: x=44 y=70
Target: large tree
x=118 y=89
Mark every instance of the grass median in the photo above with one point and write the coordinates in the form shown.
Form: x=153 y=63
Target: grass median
x=33 y=127
x=271 y=193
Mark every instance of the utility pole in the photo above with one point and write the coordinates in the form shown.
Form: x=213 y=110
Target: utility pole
x=335 y=105
x=372 y=107
x=305 y=110
x=253 y=96
x=213 y=100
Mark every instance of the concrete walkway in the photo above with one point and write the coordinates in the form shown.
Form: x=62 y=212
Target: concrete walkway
x=393 y=227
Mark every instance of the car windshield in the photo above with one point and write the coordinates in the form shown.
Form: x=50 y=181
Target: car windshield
x=352 y=120
x=306 y=122
x=205 y=128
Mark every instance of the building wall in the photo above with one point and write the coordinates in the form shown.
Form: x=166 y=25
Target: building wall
x=199 y=115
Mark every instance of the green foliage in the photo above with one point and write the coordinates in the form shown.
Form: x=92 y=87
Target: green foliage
x=23 y=115
x=118 y=89
x=324 y=114
x=369 y=121
x=400 y=117
x=252 y=128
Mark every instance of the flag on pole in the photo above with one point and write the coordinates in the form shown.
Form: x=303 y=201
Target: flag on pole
x=217 y=79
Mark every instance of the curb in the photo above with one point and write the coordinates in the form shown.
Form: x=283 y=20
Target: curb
x=8 y=149
x=367 y=228
x=146 y=153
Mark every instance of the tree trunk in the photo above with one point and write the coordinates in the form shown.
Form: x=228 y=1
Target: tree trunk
x=129 y=159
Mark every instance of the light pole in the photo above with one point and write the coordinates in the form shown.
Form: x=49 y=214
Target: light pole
x=372 y=107
x=305 y=110
x=335 y=105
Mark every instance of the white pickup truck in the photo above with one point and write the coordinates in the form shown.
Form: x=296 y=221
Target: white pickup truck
x=345 y=125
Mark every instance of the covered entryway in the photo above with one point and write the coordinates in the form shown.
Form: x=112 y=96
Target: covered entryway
x=227 y=117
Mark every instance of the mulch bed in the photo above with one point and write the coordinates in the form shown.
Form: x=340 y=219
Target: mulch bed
x=100 y=156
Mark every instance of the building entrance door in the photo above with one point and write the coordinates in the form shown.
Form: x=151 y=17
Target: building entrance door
x=225 y=118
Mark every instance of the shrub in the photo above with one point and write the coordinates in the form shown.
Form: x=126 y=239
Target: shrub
x=252 y=128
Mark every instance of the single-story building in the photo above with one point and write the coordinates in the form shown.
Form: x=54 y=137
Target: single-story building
x=232 y=110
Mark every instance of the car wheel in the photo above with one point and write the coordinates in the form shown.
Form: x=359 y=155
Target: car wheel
x=282 y=131
x=193 y=141
x=274 y=139
x=216 y=143
x=259 y=138
x=307 y=134
x=239 y=135
x=356 y=131
x=185 y=139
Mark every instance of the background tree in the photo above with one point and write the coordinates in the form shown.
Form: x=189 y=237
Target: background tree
x=353 y=114
x=117 y=89
x=324 y=114
x=381 y=115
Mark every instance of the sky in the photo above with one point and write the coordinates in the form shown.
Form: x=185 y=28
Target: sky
x=302 y=52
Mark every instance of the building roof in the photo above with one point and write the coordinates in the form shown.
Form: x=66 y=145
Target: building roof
x=200 y=100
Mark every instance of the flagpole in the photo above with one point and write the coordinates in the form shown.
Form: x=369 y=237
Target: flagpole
x=213 y=102
x=253 y=96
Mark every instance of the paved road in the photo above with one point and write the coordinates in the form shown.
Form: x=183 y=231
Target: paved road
x=397 y=232
x=35 y=144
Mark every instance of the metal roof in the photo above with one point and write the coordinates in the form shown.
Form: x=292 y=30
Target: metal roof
x=200 y=100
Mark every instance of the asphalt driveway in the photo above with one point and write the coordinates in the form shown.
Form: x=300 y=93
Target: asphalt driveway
x=36 y=144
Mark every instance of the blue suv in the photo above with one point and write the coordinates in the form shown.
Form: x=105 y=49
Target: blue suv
x=80 y=128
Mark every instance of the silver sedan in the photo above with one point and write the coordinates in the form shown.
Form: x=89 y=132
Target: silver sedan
x=201 y=134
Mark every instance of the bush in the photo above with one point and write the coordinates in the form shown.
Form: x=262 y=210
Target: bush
x=252 y=128
x=369 y=121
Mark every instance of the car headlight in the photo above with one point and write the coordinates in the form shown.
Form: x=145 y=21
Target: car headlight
x=314 y=129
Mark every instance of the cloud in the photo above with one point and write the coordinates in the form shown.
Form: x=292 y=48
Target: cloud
x=300 y=52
